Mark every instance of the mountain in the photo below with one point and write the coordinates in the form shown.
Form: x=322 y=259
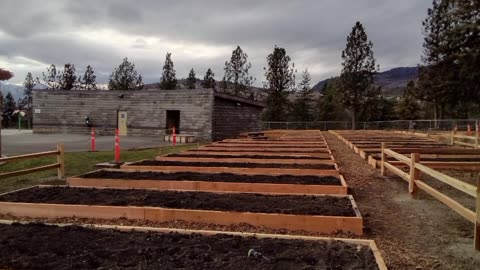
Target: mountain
x=392 y=81
x=16 y=90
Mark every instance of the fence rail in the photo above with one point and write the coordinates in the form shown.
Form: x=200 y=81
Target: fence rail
x=422 y=124
x=59 y=165
x=414 y=183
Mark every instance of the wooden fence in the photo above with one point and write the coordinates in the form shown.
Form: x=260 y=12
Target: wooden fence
x=473 y=141
x=414 y=183
x=59 y=165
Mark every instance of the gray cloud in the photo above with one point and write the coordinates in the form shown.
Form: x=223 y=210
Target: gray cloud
x=202 y=34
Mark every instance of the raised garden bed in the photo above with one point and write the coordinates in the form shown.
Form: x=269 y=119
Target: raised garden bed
x=292 y=145
x=226 y=182
x=325 y=214
x=213 y=154
x=249 y=171
x=265 y=150
x=240 y=159
x=233 y=164
x=75 y=247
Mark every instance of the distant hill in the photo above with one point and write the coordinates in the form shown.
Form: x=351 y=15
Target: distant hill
x=392 y=81
x=16 y=90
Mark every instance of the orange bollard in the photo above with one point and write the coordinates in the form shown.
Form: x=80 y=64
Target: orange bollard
x=117 y=147
x=93 y=139
x=469 y=130
x=174 y=141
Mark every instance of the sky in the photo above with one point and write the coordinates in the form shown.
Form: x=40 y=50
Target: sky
x=202 y=34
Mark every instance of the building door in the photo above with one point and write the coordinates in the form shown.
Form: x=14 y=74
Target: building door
x=122 y=123
x=173 y=120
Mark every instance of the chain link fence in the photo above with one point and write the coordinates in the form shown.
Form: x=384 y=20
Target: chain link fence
x=425 y=125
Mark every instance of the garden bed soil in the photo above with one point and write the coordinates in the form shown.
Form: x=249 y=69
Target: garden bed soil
x=239 y=202
x=296 y=145
x=264 y=150
x=35 y=246
x=206 y=155
x=233 y=165
x=216 y=177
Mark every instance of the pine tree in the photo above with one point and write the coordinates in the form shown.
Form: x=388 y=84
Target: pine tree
x=358 y=69
x=329 y=107
x=279 y=85
x=9 y=106
x=408 y=108
x=27 y=101
x=51 y=78
x=168 y=80
x=125 y=77
x=237 y=79
x=67 y=79
x=302 y=109
x=88 y=81
x=191 y=80
x=208 y=80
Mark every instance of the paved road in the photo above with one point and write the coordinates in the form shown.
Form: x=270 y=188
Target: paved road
x=14 y=142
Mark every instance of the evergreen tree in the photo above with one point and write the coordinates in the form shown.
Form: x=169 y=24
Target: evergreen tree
x=191 y=80
x=168 y=81
x=237 y=79
x=302 y=109
x=280 y=83
x=372 y=105
x=208 y=80
x=329 y=107
x=88 y=81
x=358 y=69
x=408 y=108
x=27 y=101
x=9 y=106
x=125 y=77
x=67 y=79
x=51 y=78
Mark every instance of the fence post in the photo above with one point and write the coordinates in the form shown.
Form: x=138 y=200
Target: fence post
x=477 y=220
x=477 y=131
x=452 y=141
x=61 y=161
x=412 y=188
x=382 y=167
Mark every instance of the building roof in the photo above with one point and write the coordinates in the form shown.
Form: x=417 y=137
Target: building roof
x=239 y=99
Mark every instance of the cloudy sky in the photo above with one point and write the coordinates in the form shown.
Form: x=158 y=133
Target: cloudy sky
x=202 y=34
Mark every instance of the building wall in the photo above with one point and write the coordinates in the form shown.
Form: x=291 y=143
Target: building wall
x=65 y=111
x=231 y=117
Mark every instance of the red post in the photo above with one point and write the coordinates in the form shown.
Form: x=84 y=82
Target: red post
x=174 y=141
x=93 y=139
x=117 y=147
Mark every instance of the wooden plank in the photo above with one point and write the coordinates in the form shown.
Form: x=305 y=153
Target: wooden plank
x=31 y=170
x=247 y=160
x=464 y=144
x=29 y=156
x=460 y=209
x=405 y=176
x=462 y=186
x=477 y=216
x=397 y=156
x=383 y=159
x=412 y=188
x=61 y=162
x=465 y=137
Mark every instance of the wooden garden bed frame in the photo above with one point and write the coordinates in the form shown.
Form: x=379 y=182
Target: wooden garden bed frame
x=209 y=186
x=270 y=154
x=248 y=160
x=363 y=242
x=312 y=150
x=473 y=140
x=311 y=223
x=414 y=183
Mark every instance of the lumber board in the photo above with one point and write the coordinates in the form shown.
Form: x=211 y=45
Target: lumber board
x=30 y=170
x=405 y=176
x=29 y=156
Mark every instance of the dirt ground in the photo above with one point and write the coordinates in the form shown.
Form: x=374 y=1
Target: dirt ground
x=233 y=164
x=411 y=234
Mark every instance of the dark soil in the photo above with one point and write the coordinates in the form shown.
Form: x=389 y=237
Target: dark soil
x=37 y=246
x=217 y=177
x=237 y=202
x=246 y=156
x=233 y=165
x=300 y=145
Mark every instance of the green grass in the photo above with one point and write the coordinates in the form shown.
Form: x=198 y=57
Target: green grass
x=75 y=163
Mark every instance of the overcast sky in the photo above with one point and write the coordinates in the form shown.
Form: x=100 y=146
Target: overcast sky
x=202 y=34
